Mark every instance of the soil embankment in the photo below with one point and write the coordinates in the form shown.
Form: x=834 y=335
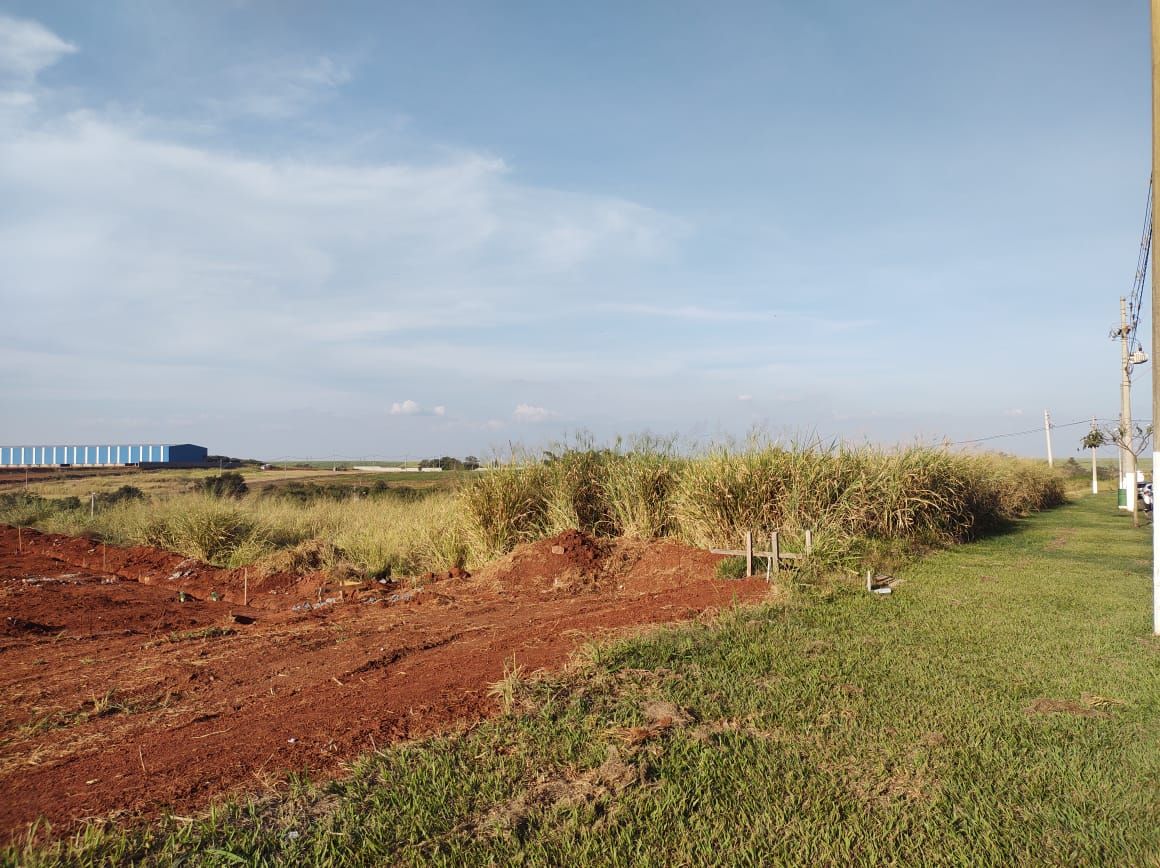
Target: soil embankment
x=136 y=681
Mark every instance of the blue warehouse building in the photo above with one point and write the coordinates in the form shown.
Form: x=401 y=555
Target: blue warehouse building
x=104 y=455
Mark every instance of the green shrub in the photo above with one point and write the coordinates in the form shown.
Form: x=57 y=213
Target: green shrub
x=732 y=567
x=208 y=529
x=121 y=495
x=228 y=484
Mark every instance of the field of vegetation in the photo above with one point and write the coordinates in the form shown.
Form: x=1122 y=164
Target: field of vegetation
x=1000 y=708
x=865 y=506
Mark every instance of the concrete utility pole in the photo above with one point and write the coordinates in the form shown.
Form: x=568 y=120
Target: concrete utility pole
x=1047 y=431
x=1095 y=479
x=1155 y=300
x=1127 y=459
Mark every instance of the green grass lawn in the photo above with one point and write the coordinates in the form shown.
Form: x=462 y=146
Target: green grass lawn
x=1002 y=707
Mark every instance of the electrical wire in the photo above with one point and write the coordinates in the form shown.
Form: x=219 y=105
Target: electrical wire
x=1021 y=433
x=1137 y=301
x=1039 y=430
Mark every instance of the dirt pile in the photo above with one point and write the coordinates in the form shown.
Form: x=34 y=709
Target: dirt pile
x=573 y=563
x=567 y=564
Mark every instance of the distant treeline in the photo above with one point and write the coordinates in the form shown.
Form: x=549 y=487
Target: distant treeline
x=449 y=463
x=309 y=492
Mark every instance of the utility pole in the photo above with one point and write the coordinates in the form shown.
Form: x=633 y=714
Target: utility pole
x=1127 y=459
x=1095 y=480
x=1047 y=431
x=1155 y=301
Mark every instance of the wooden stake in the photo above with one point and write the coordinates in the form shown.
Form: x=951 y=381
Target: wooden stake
x=748 y=554
x=20 y=540
x=809 y=542
x=774 y=553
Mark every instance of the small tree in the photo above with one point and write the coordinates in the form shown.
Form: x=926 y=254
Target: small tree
x=1132 y=438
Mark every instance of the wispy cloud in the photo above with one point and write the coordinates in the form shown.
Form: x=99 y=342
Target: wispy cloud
x=27 y=48
x=692 y=313
x=280 y=89
x=311 y=254
x=712 y=315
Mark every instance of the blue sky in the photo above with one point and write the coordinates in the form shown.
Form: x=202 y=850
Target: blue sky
x=355 y=229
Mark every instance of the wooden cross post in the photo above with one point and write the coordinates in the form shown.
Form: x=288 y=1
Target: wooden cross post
x=748 y=554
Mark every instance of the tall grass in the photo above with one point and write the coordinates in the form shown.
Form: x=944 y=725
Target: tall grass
x=378 y=537
x=857 y=501
x=851 y=498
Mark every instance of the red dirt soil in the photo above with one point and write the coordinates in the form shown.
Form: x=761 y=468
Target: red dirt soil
x=135 y=681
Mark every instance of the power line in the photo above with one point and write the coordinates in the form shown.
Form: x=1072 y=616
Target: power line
x=1020 y=433
x=1137 y=302
x=1039 y=430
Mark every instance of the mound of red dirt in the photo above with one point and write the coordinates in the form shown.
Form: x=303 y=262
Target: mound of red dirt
x=573 y=563
x=569 y=563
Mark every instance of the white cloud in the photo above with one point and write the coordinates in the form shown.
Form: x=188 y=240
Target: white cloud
x=414 y=408
x=280 y=89
x=304 y=252
x=405 y=408
x=529 y=413
x=27 y=48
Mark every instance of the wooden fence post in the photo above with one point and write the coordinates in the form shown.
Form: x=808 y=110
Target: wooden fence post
x=774 y=553
x=748 y=554
x=809 y=543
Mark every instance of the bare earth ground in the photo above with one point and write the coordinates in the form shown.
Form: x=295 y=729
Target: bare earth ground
x=128 y=688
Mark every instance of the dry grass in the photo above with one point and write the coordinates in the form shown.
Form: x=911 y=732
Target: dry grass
x=865 y=505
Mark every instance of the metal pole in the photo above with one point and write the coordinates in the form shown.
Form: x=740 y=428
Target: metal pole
x=1095 y=482
x=1155 y=300
x=1129 y=460
x=1047 y=431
